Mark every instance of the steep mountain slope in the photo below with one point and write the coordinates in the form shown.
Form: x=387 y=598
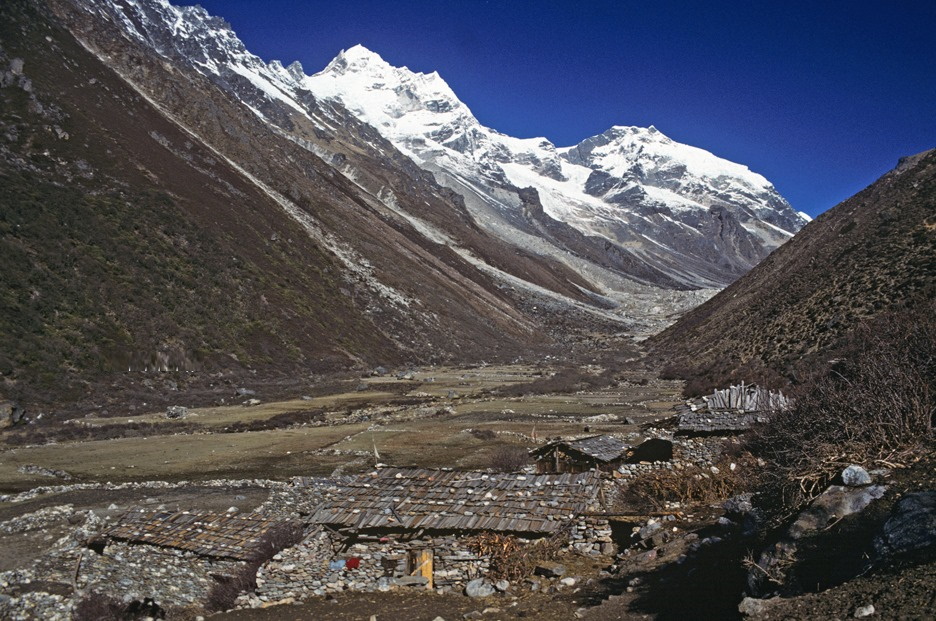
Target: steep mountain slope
x=874 y=252
x=128 y=244
x=686 y=217
x=673 y=219
x=197 y=44
x=166 y=228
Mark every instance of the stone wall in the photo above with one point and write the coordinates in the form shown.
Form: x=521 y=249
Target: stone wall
x=591 y=535
x=319 y=564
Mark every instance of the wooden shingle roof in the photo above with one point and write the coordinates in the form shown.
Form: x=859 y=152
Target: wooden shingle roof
x=219 y=535
x=737 y=408
x=456 y=501
x=600 y=448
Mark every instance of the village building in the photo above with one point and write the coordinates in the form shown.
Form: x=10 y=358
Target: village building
x=604 y=453
x=390 y=528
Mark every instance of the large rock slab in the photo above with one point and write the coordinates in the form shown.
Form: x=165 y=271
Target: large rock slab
x=910 y=527
x=833 y=504
x=830 y=506
x=550 y=569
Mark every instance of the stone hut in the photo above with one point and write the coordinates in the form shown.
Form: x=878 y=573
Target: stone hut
x=398 y=527
x=603 y=453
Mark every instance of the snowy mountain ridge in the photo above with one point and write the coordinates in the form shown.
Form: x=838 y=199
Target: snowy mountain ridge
x=629 y=185
x=630 y=200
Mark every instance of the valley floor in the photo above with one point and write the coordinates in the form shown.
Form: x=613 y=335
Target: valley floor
x=242 y=452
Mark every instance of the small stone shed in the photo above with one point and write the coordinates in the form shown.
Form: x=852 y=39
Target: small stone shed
x=731 y=410
x=604 y=453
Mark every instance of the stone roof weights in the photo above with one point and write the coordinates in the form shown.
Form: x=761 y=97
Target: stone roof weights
x=604 y=449
x=411 y=498
x=218 y=535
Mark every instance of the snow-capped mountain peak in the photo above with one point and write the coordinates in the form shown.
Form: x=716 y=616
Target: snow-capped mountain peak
x=401 y=103
x=627 y=185
x=618 y=149
x=357 y=59
x=695 y=219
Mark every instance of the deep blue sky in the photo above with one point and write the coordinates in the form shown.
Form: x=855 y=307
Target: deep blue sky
x=819 y=97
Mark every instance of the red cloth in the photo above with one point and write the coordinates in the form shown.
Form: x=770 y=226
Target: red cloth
x=353 y=563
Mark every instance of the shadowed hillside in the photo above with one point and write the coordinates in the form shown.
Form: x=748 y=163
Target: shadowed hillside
x=130 y=241
x=873 y=253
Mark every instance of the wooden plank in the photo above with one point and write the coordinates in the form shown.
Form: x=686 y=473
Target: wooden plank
x=420 y=564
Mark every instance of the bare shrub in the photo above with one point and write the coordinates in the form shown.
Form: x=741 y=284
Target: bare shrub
x=694 y=484
x=226 y=590
x=278 y=421
x=276 y=539
x=509 y=458
x=483 y=434
x=873 y=407
x=723 y=371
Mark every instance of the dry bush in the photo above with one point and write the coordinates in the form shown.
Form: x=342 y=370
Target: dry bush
x=724 y=370
x=509 y=458
x=278 y=421
x=511 y=559
x=223 y=594
x=483 y=434
x=695 y=484
x=873 y=407
x=276 y=539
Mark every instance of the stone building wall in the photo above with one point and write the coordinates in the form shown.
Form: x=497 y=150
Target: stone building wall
x=315 y=568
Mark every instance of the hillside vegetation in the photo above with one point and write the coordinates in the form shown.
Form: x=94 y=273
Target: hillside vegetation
x=120 y=253
x=787 y=318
